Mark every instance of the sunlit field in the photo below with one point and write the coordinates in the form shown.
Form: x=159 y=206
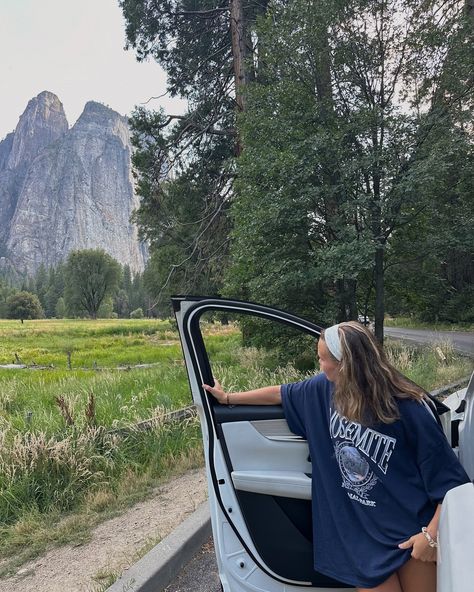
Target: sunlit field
x=68 y=432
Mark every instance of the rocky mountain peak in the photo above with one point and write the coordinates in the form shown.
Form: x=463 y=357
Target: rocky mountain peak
x=97 y=117
x=41 y=124
x=66 y=189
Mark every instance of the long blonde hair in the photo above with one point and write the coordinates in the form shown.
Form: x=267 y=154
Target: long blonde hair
x=368 y=385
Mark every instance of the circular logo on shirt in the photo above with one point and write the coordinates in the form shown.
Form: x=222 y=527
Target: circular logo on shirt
x=353 y=465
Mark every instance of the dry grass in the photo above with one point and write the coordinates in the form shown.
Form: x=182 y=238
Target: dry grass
x=431 y=367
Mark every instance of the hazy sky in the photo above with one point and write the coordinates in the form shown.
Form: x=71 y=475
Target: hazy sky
x=73 y=48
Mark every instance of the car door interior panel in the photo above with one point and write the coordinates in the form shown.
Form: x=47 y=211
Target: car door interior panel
x=249 y=450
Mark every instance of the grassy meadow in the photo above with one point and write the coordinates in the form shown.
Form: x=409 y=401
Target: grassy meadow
x=66 y=462
x=121 y=396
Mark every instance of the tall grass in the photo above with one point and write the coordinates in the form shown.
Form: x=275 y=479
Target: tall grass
x=107 y=342
x=431 y=367
x=68 y=445
x=27 y=398
x=44 y=474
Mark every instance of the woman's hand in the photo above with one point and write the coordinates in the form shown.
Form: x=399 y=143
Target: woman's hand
x=216 y=391
x=420 y=547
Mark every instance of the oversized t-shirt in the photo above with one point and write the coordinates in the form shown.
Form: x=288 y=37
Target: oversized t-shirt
x=372 y=487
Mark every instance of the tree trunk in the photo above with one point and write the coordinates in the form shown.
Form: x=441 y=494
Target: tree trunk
x=379 y=292
x=379 y=251
x=237 y=31
x=346 y=300
x=239 y=55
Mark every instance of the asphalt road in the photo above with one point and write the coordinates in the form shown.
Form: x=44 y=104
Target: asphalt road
x=462 y=341
x=200 y=574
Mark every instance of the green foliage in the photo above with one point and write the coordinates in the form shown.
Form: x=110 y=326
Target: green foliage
x=137 y=314
x=55 y=290
x=354 y=120
x=106 y=309
x=340 y=163
x=184 y=219
x=183 y=162
x=91 y=275
x=432 y=271
x=60 y=308
x=24 y=305
x=5 y=292
x=49 y=286
x=194 y=50
x=121 y=303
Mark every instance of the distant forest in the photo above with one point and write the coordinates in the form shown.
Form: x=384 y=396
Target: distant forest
x=94 y=286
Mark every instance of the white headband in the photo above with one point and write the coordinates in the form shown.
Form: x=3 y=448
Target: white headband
x=331 y=337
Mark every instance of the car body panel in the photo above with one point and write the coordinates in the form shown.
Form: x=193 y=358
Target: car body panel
x=456 y=529
x=456 y=539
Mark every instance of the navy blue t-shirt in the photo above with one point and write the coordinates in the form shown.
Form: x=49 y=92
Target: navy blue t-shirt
x=372 y=487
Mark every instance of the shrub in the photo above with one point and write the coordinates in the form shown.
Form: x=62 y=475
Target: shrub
x=137 y=313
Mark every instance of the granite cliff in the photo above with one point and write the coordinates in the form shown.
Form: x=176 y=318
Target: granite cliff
x=64 y=189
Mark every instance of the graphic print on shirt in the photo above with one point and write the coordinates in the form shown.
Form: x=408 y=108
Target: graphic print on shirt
x=352 y=442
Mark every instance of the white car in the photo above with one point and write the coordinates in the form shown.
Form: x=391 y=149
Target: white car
x=259 y=476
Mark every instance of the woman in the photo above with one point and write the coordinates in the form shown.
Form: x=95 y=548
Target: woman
x=380 y=460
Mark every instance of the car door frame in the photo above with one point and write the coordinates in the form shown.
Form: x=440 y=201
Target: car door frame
x=196 y=358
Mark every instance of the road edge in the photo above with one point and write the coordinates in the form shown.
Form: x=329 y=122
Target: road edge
x=156 y=570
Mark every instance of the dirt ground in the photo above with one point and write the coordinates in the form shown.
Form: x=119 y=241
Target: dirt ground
x=114 y=544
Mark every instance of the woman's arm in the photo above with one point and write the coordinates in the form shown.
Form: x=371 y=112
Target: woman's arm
x=419 y=542
x=268 y=395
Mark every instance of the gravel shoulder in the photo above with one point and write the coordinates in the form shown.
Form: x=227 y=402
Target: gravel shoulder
x=115 y=544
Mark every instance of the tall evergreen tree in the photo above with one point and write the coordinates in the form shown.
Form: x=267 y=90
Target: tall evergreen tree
x=41 y=280
x=55 y=289
x=336 y=144
x=182 y=161
x=6 y=290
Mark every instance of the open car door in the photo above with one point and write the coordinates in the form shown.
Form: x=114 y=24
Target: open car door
x=259 y=473
x=456 y=527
